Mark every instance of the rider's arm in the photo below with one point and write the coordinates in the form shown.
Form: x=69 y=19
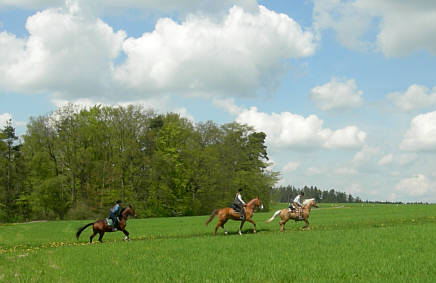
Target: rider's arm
x=240 y=199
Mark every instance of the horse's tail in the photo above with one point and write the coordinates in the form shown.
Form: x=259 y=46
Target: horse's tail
x=81 y=229
x=274 y=216
x=212 y=215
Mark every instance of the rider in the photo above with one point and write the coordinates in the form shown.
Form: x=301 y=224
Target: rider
x=240 y=204
x=113 y=214
x=296 y=203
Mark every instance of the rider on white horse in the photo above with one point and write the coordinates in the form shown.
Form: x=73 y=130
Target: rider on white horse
x=296 y=203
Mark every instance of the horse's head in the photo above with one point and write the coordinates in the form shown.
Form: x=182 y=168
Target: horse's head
x=310 y=202
x=256 y=202
x=128 y=211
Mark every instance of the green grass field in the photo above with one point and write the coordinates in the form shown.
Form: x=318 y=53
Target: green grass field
x=350 y=242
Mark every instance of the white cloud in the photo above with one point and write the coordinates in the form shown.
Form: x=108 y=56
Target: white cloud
x=336 y=95
x=66 y=53
x=147 y=6
x=365 y=155
x=313 y=171
x=421 y=136
x=238 y=55
x=346 y=171
x=405 y=26
x=418 y=185
x=4 y=118
x=288 y=130
x=290 y=166
x=387 y=159
x=415 y=97
x=400 y=159
x=354 y=189
x=229 y=105
x=72 y=55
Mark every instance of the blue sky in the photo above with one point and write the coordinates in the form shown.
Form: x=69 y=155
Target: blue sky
x=344 y=90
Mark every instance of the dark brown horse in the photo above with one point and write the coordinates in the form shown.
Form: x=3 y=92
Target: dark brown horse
x=224 y=214
x=286 y=215
x=100 y=226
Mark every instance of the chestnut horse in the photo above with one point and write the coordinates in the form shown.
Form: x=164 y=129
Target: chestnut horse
x=285 y=214
x=224 y=214
x=100 y=226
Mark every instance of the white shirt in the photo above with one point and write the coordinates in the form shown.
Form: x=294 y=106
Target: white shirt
x=297 y=200
x=240 y=198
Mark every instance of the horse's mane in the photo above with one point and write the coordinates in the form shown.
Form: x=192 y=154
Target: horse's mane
x=307 y=201
x=122 y=210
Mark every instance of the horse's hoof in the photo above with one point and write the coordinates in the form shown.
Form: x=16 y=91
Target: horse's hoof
x=225 y=233
x=240 y=233
x=254 y=232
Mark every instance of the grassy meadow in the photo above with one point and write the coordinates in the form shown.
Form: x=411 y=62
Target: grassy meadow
x=346 y=242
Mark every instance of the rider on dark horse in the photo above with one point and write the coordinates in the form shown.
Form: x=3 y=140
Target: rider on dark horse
x=239 y=203
x=113 y=214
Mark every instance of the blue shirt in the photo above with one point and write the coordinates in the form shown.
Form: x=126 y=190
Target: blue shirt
x=115 y=209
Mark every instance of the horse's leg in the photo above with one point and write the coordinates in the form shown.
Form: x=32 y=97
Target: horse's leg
x=126 y=238
x=217 y=226
x=92 y=236
x=254 y=224
x=240 y=227
x=222 y=225
x=101 y=236
x=307 y=224
x=282 y=223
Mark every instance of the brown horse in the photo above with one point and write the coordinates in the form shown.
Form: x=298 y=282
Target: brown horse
x=224 y=214
x=100 y=226
x=285 y=214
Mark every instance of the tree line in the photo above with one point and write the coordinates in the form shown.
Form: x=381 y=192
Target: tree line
x=288 y=193
x=74 y=163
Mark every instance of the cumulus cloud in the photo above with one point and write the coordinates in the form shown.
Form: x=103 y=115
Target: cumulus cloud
x=421 y=135
x=66 y=53
x=399 y=159
x=4 y=118
x=365 y=155
x=72 y=55
x=238 y=55
x=387 y=159
x=290 y=166
x=346 y=171
x=404 y=27
x=288 y=130
x=313 y=171
x=336 y=95
x=165 y=6
x=418 y=185
x=415 y=97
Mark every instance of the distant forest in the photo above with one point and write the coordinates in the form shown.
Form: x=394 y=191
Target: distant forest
x=288 y=193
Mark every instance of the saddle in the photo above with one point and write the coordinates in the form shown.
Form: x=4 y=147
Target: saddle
x=235 y=208
x=110 y=222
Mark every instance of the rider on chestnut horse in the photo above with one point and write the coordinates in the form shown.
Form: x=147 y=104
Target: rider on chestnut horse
x=240 y=204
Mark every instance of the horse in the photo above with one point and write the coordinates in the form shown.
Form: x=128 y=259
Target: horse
x=285 y=214
x=224 y=214
x=100 y=226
